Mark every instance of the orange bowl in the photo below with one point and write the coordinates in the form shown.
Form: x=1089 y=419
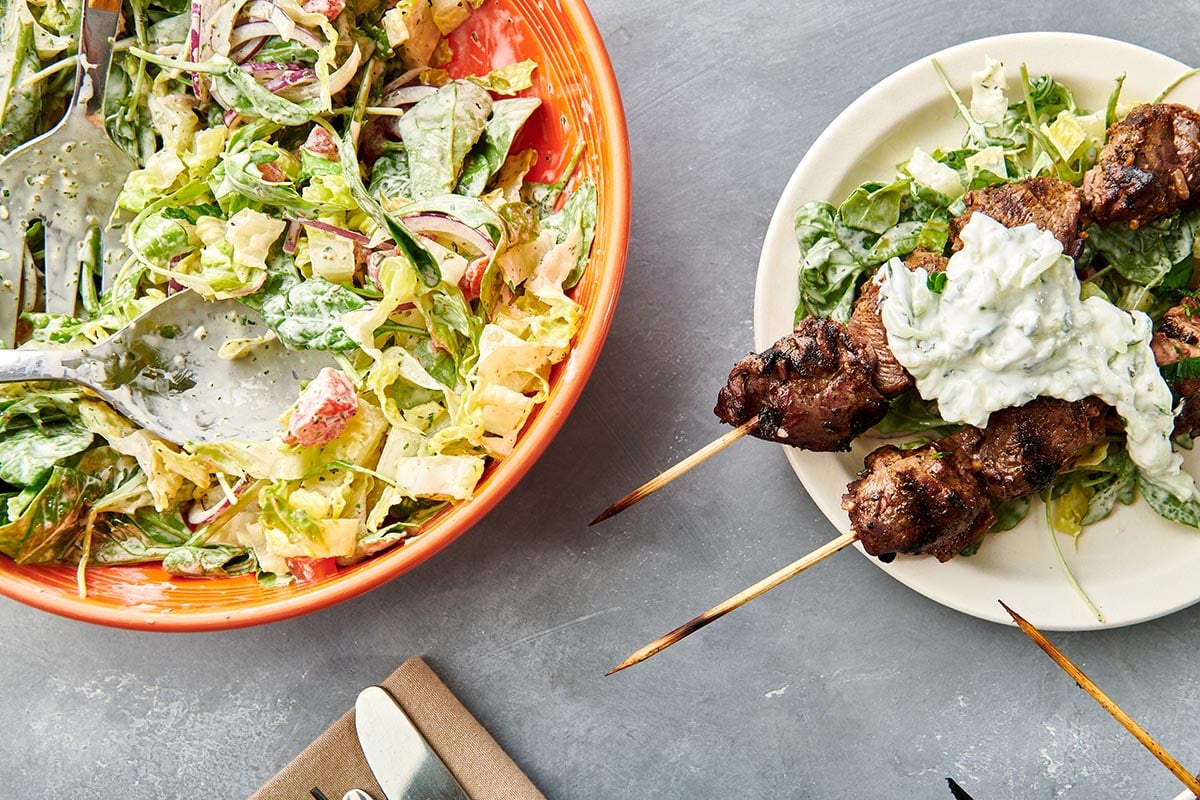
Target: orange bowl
x=581 y=104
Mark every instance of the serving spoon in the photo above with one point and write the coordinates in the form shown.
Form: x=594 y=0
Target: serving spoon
x=164 y=372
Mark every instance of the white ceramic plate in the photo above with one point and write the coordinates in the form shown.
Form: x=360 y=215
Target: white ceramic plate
x=1134 y=565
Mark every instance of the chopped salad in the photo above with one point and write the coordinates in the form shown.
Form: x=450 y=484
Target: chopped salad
x=314 y=161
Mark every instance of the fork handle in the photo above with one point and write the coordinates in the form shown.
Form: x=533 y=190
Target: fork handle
x=97 y=29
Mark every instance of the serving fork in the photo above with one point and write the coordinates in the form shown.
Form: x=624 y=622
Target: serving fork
x=68 y=178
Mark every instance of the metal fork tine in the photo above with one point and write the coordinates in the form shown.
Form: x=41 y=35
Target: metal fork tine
x=115 y=255
x=12 y=261
x=62 y=268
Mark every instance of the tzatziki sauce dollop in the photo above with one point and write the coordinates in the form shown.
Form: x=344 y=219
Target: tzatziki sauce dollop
x=1009 y=325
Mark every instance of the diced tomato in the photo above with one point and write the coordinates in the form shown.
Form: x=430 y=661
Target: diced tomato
x=472 y=280
x=323 y=410
x=330 y=8
x=271 y=172
x=311 y=570
x=320 y=143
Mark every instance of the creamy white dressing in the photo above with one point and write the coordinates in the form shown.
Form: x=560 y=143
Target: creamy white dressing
x=1009 y=326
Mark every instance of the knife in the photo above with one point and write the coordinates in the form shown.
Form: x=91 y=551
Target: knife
x=403 y=763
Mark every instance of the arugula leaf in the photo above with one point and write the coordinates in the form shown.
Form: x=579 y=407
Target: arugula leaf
x=248 y=97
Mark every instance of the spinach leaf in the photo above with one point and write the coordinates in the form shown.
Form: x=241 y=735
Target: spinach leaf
x=20 y=106
x=1009 y=513
x=211 y=561
x=389 y=174
x=909 y=413
x=873 y=207
x=47 y=529
x=439 y=131
x=28 y=454
x=1151 y=253
x=305 y=314
x=1167 y=505
x=489 y=153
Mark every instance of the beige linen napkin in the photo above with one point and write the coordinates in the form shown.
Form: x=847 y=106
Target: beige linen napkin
x=334 y=763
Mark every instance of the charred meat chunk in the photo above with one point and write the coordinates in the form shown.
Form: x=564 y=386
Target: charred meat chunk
x=813 y=389
x=1179 y=338
x=925 y=501
x=1049 y=203
x=867 y=331
x=1024 y=448
x=1148 y=169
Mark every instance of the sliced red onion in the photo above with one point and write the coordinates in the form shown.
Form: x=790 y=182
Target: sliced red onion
x=293 y=236
x=173 y=285
x=407 y=95
x=441 y=225
x=292 y=77
x=353 y=236
x=197 y=516
x=230 y=118
x=246 y=50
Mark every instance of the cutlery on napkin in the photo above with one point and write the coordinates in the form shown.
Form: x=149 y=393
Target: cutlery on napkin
x=335 y=764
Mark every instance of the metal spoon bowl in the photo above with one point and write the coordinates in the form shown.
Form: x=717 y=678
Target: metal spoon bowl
x=163 y=371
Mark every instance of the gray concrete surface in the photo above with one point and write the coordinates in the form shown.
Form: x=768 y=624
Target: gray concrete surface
x=841 y=685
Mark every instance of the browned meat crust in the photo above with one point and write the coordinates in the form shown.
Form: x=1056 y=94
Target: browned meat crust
x=1149 y=167
x=811 y=389
x=929 y=500
x=1051 y=204
x=936 y=500
x=1024 y=448
x=1179 y=338
x=867 y=331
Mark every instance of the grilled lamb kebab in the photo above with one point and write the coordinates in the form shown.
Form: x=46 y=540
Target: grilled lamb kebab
x=936 y=499
x=1149 y=168
x=824 y=384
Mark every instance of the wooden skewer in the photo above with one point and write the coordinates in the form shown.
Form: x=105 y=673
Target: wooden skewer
x=740 y=599
x=1100 y=697
x=662 y=479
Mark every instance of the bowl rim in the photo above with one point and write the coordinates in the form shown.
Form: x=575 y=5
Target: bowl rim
x=459 y=519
